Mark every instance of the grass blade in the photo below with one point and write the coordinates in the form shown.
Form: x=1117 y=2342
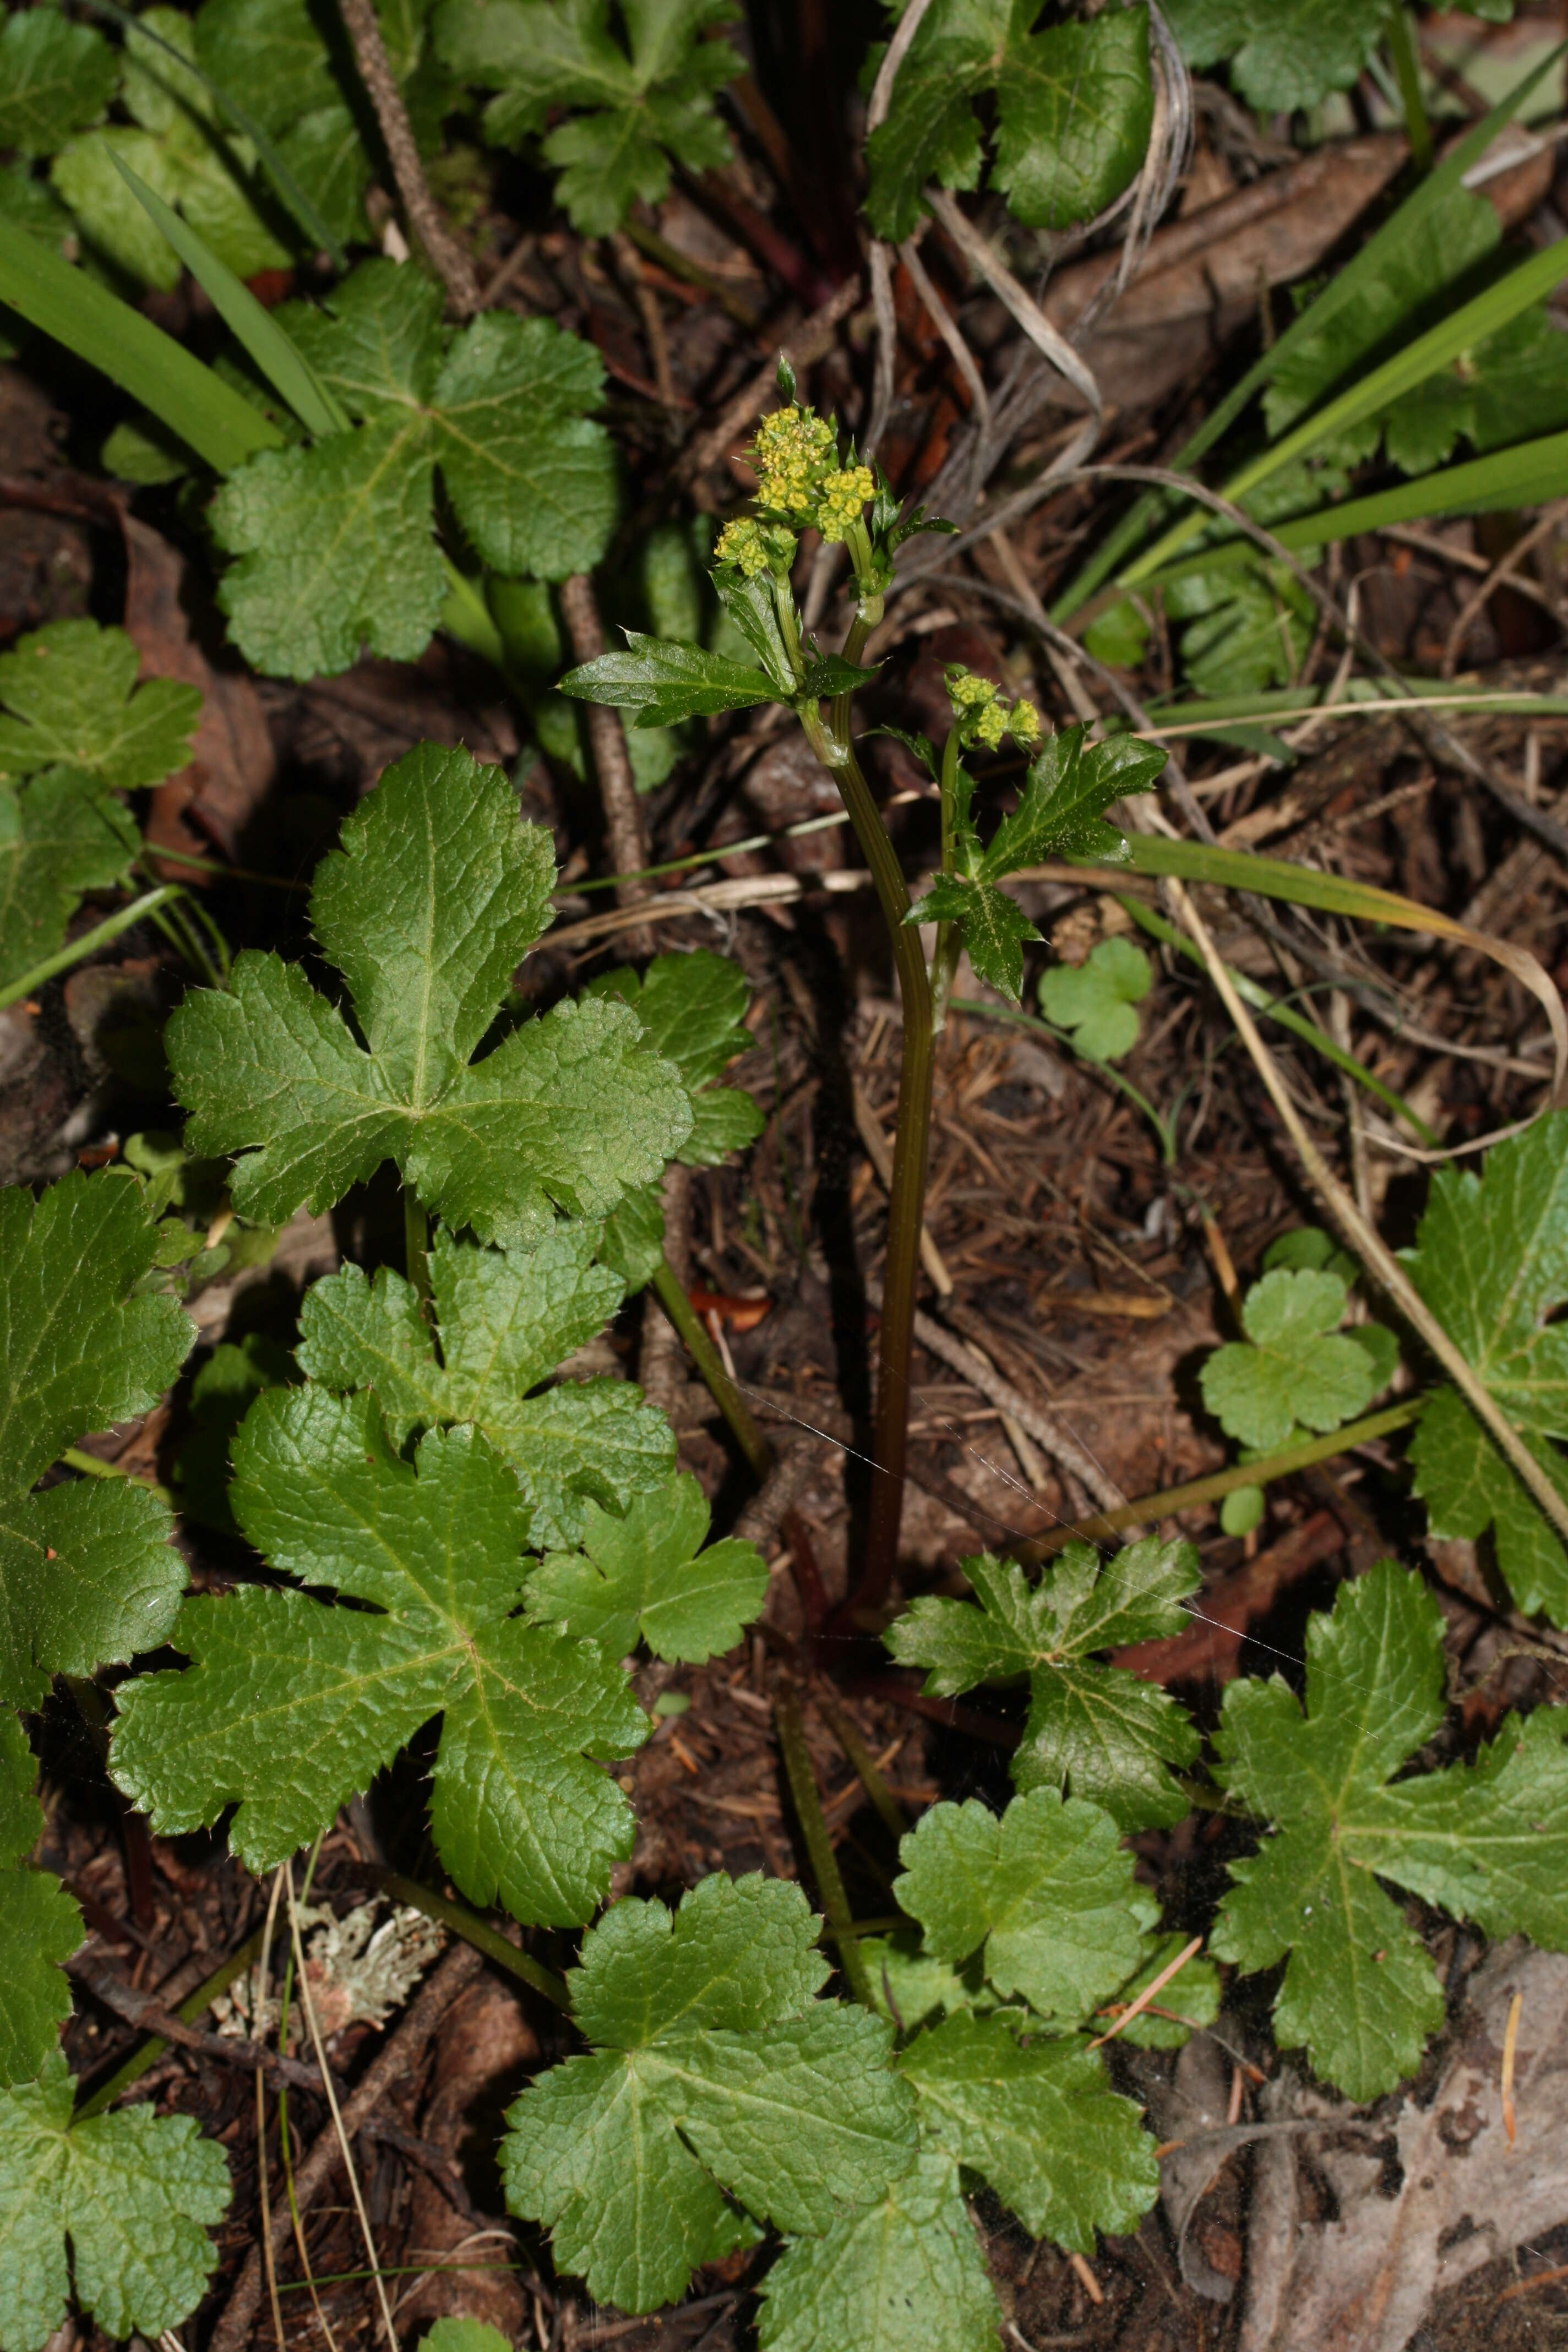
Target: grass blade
x=266 y=154
x=286 y=369
x=1342 y=288
x=217 y=423
x=1482 y=316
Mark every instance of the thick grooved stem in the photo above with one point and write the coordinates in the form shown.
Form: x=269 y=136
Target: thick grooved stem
x=906 y=1200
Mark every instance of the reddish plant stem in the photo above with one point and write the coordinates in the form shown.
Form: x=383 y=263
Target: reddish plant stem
x=907 y=1191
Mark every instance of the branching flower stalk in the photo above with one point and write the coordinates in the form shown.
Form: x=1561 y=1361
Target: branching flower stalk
x=806 y=482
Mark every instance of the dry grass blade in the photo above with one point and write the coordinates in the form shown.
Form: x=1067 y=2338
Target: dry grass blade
x=308 y=2006
x=1368 y=1245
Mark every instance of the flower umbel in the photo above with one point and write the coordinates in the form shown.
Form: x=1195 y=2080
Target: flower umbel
x=794 y=449
x=843 y=496
x=980 y=715
x=756 y=547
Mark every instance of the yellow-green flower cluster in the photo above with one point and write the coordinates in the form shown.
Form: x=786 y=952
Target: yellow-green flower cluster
x=756 y=547
x=981 y=715
x=794 y=449
x=843 y=496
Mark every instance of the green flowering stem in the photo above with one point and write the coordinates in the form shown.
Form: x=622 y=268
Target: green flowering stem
x=907 y=1194
x=819 y=1847
x=949 y=940
x=188 y=2013
x=705 y=1355
x=416 y=1246
x=789 y=622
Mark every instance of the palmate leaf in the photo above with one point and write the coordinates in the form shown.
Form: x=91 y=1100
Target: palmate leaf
x=1074 y=108
x=505 y=1318
x=1488 y=1840
x=645 y=1574
x=1295 y=1369
x=60 y=834
x=434 y=898
x=87 y=1575
x=70 y=699
x=1039 y=2119
x=714 y=2070
x=40 y=1925
x=177 y=143
x=692 y=1009
x=303 y=95
x=55 y=77
x=995 y=928
x=119 y=2208
x=628 y=110
x=900 y=2269
x=1097 y=1730
x=292 y=1703
x=1045 y=1891
x=1491 y=1261
x=1282 y=54
x=335 y=542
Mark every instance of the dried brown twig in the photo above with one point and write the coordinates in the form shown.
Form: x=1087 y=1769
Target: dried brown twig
x=455 y=270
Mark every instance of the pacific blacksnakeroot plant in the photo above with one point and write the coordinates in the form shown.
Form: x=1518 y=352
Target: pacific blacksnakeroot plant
x=804 y=480
x=455 y=1534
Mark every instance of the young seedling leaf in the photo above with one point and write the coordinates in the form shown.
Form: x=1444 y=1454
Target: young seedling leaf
x=1098 y=1730
x=645 y=1575
x=1295 y=1369
x=1282 y=54
x=1099 y=1001
x=55 y=77
x=1041 y=2122
x=40 y=1927
x=60 y=834
x=714 y=2068
x=505 y=1318
x=1491 y=1261
x=1488 y=1840
x=465 y=2336
x=1047 y=1889
x=664 y=683
x=87 y=1574
x=900 y=2269
x=434 y=898
x=118 y=2207
x=335 y=542
x=1074 y=108
x=626 y=110
x=435 y=1548
x=70 y=699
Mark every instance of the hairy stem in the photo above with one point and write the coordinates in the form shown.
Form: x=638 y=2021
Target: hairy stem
x=819 y=1848
x=907 y=1193
x=452 y=263
x=705 y=1355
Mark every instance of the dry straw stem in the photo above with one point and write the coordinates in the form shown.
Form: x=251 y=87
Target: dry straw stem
x=307 y=2002
x=1366 y=1241
x=235 y=2330
x=1063 y=1449
x=455 y=270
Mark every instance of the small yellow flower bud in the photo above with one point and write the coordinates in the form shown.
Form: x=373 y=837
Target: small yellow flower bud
x=1024 y=724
